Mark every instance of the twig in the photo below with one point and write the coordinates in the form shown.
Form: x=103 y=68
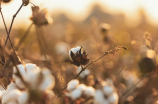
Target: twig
x=8 y=33
x=13 y=60
x=6 y=30
x=1 y=63
x=24 y=37
x=83 y=68
x=32 y=3
x=3 y=86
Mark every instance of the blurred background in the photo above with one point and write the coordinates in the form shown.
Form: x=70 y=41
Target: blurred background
x=97 y=26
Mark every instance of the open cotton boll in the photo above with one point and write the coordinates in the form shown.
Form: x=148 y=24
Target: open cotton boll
x=32 y=78
x=85 y=73
x=2 y=92
x=23 y=97
x=11 y=86
x=82 y=87
x=108 y=89
x=75 y=94
x=26 y=69
x=113 y=99
x=89 y=92
x=28 y=72
x=61 y=48
x=11 y=96
x=99 y=98
x=48 y=81
x=72 y=84
x=19 y=83
x=74 y=50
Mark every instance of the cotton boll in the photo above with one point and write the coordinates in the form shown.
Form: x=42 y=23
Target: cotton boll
x=33 y=78
x=26 y=68
x=11 y=86
x=89 y=92
x=113 y=99
x=82 y=87
x=99 y=98
x=20 y=84
x=11 y=96
x=74 y=50
x=108 y=90
x=48 y=81
x=75 y=94
x=2 y=92
x=61 y=48
x=72 y=84
x=85 y=73
x=23 y=97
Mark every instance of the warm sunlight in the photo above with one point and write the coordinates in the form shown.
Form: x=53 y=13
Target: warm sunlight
x=78 y=10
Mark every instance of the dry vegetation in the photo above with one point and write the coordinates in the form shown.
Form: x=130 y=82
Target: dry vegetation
x=115 y=64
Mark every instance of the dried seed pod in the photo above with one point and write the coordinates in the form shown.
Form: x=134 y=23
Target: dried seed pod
x=5 y=1
x=78 y=56
x=26 y=2
x=40 y=18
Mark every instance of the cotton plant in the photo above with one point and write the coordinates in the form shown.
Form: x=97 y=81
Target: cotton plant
x=106 y=94
x=30 y=83
x=77 y=90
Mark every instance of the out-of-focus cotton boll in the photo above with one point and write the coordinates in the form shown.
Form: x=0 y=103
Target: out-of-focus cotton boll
x=26 y=69
x=29 y=73
x=23 y=97
x=19 y=83
x=62 y=48
x=113 y=99
x=48 y=81
x=82 y=87
x=72 y=84
x=107 y=95
x=75 y=94
x=11 y=86
x=151 y=54
x=11 y=96
x=99 y=98
x=108 y=90
x=2 y=92
x=89 y=91
x=85 y=73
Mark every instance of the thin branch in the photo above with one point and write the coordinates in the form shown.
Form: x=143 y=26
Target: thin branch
x=1 y=62
x=13 y=60
x=24 y=37
x=6 y=30
x=83 y=68
x=32 y=3
x=3 y=86
x=8 y=33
